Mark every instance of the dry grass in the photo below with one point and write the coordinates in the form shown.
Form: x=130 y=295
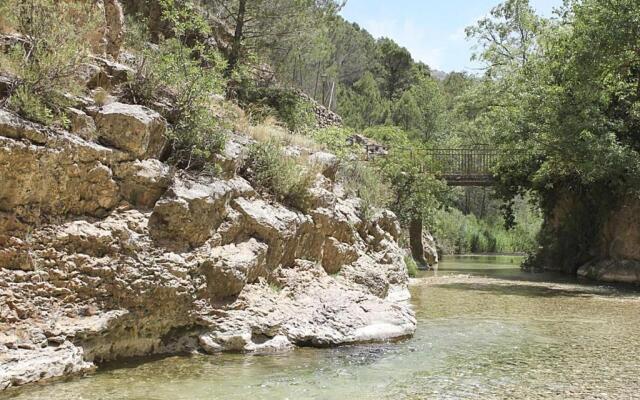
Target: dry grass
x=270 y=131
x=101 y=97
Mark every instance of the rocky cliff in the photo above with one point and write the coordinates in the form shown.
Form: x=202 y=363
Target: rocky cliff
x=595 y=241
x=106 y=253
x=617 y=253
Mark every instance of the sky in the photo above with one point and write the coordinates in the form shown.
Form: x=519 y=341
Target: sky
x=432 y=30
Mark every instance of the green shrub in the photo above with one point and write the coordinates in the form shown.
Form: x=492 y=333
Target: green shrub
x=364 y=181
x=335 y=140
x=286 y=105
x=412 y=266
x=172 y=74
x=458 y=233
x=282 y=176
x=56 y=35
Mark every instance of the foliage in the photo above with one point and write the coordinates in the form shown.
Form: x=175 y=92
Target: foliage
x=412 y=267
x=396 y=68
x=286 y=105
x=417 y=195
x=420 y=109
x=282 y=176
x=335 y=140
x=368 y=184
x=458 y=233
x=269 y=131
x=186 y=76
x=56 y=42
x=562 y=96
x=271 y=26
x=362 y=105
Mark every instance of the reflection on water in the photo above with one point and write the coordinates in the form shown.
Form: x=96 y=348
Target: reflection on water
x=486 y=330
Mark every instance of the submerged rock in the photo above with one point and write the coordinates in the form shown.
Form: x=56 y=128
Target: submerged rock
x=622 y=271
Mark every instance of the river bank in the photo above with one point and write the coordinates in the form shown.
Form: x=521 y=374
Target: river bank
x=485 y=330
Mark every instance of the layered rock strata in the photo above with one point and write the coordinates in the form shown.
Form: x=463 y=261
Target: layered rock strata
x=108 y=253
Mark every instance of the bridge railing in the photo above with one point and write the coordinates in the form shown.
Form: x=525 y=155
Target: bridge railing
x=468 y=162
x=459 y=167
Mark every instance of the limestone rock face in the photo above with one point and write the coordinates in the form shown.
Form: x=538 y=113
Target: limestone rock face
x=107 y=253
x=45 y=172
x=430 y=249
x=614 y=255
x=143 y=182
x=192 y=210
x=115 y=27
x=327 y=161
x=132 y=128
x=288 y=234
x=336 y=254
x=310 y=308
x=622 y=271
x=82 y=124
x=19 y=367
x=104 y=73
x=229 y=268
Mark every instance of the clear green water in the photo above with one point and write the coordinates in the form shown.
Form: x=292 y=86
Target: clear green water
x=486 y=331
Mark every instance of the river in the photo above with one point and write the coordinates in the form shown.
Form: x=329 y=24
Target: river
x=486 y=331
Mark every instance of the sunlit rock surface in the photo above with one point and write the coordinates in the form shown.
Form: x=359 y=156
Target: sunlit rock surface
x=107 y=253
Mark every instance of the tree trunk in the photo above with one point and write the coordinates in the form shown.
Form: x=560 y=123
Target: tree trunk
x=236 y=45
x=415 y=242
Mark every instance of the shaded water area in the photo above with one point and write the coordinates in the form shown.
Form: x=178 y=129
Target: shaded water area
x=486 y=330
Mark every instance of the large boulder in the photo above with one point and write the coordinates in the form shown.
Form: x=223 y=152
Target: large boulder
x=132 y=128
x=622 y=271
x=192 y=210
x=327 y=162
x=229 y=268
x=289 y=234
x=142 y=183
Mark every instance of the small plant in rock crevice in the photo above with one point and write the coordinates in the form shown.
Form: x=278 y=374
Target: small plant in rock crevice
x=285 y=177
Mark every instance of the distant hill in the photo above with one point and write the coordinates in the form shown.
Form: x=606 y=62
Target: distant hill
x=439 y=75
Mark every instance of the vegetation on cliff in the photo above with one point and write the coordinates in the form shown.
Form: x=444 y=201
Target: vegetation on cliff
x=558 y=97
x=563 y=95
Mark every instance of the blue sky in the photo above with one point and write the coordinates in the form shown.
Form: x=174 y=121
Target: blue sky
x=433 y=30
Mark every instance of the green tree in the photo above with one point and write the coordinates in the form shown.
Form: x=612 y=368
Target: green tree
x=507 y=38
x=565 y=97
x=266 y=24
x=396 y=68
x=417 y=196
x=363 y=106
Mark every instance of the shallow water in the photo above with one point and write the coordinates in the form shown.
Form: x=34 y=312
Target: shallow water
x=486 y=330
